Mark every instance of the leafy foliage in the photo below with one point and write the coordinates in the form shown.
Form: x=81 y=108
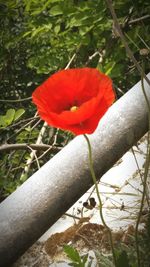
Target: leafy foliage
x=126 y=254
x=40 y=37
x=122 y=260
x=10 y=116
x=76 y=259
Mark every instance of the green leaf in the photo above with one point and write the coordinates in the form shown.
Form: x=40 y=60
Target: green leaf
x=9 y=116
x=122 y=260
x=109 y=68
x=53 y=1
x=2 y=121
x=84 y=259
x=41 y=29
x=19 y=113
x=57 y=29
x=23 y=177
x=84 y=30
x=27 y=5
x=72 y=253
x=56 y=10
x=28 y=129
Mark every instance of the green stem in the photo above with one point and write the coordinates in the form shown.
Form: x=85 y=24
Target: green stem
x=147 y=164
x=99 y=198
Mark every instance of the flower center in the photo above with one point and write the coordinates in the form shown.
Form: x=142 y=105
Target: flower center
x=73 y=108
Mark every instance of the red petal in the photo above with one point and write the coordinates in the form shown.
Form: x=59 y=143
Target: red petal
x=86 y=88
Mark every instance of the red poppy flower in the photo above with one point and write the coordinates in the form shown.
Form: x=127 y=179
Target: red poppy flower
x=74 y=99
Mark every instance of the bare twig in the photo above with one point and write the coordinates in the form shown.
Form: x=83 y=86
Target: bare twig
x=95 y=54
x=32 y=154
x=142 y=40
x=15 y=100
x=69 y=63
x=44 y=147
x=140 y=174
x=22 y=121
x=139 y=19
x=23 y=127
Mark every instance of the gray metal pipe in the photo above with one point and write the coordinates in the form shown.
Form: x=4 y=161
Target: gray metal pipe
x=36 y=205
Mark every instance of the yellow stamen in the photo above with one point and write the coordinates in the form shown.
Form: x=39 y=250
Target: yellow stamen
x=74 y=108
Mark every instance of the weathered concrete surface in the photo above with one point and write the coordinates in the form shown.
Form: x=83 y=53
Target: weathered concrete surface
x=27 y=213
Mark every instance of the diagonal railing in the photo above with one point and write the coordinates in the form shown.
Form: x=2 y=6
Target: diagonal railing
x=36 y=205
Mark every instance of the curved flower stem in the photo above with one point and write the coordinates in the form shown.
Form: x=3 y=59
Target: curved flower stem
x=99 y=198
